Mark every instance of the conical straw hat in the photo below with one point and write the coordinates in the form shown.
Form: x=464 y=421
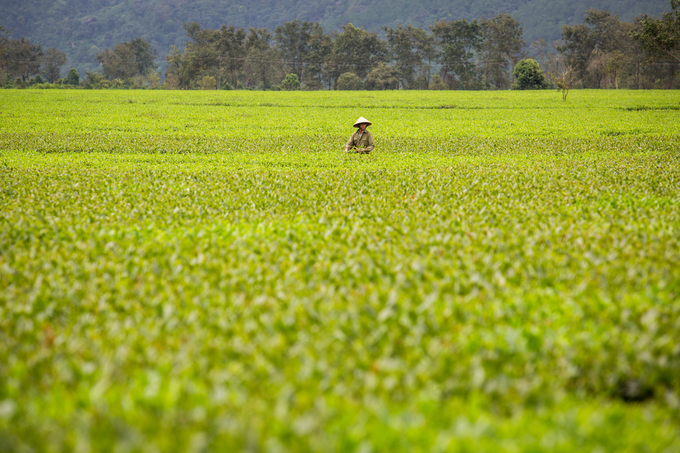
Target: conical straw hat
x=360 y=121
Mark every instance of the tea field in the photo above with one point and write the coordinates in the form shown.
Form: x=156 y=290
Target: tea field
x=208 y=271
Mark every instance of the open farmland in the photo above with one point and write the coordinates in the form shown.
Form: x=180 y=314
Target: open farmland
x=207 y=271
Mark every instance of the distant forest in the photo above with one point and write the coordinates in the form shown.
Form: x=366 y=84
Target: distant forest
x=82 y=28
x=152 y=43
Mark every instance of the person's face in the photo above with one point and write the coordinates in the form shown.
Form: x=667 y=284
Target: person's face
x=362 y=126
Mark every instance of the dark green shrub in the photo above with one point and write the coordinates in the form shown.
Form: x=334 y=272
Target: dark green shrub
x=349 y=81
x=291 y=82
x=528 y=76
x=72 y=78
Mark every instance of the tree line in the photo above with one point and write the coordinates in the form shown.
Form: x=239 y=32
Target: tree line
x=488 y=53
x=21 y=59
x=450 y=55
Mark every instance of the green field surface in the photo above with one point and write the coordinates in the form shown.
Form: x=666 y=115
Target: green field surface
x=209 y=272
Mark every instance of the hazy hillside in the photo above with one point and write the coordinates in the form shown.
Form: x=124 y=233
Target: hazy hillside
x=82 y=28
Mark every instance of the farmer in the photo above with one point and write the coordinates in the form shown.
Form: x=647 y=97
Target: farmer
x=361 y=140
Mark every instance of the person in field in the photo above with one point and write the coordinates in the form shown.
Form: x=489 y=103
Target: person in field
x=361 y=141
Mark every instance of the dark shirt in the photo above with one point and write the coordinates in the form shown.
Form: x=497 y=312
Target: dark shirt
x=360 y=140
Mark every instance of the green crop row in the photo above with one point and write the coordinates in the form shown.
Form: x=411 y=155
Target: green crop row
x=310 y=116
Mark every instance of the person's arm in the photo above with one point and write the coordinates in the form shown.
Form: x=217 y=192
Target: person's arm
x=350 y=143
x=370 y=146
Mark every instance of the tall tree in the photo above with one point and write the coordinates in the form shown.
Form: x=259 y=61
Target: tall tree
x=118 y=62
x=355 y=51
x=412 y=49
x=301 y=44
x=4 y=46
x=661 y=37
x=539 y=51
x=201 y=56
x=52 y=62
x=320 y=48
x=614 y=67
x=459 y=42
x=261 y=57
x=208 y=53
x=145 y=55
x=181 y=68
x=577 y=47
x=501 y=48
x=292 y=39
x=588 y=46
x=128 y=59
x=23 y=59
x=607 y=37
x=230 y=49
x=635 y=57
